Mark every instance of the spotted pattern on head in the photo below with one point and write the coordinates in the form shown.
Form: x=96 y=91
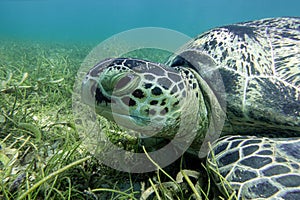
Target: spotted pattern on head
x=146 y=92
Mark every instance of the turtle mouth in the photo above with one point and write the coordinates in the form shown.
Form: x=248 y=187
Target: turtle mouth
x=126 y=120
x=131 y=122
x=108 y=107
x=140 y=120
x=114 y=113
x=113 y=108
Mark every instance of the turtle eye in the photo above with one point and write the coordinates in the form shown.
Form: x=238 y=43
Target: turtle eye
x=124 y=81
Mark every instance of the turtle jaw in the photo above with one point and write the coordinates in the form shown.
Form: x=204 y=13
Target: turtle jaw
x=145 y=126
x=110 y=107
x=88 y=89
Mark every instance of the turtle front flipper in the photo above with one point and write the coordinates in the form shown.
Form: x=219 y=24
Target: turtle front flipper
x=256 y=168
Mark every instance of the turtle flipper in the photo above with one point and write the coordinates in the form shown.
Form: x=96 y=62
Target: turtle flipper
x=256 y=167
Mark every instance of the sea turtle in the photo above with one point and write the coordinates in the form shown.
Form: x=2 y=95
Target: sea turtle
x=245 y=76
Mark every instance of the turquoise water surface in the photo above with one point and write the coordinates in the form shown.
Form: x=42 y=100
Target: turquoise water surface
x=95 y=20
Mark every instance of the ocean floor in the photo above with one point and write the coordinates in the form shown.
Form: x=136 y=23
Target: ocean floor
x=41 y=152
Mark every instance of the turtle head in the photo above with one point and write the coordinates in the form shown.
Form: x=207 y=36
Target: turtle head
x=140 y=95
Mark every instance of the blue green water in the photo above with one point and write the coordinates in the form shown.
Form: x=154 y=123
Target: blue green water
x=95 y=20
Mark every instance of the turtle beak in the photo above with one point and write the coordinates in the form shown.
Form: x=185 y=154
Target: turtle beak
x=88 y=89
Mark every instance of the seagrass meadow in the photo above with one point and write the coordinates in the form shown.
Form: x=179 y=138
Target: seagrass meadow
x=41 y=156
x=43 y=44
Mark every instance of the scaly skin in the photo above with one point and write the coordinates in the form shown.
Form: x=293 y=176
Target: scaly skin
x=246 y=74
